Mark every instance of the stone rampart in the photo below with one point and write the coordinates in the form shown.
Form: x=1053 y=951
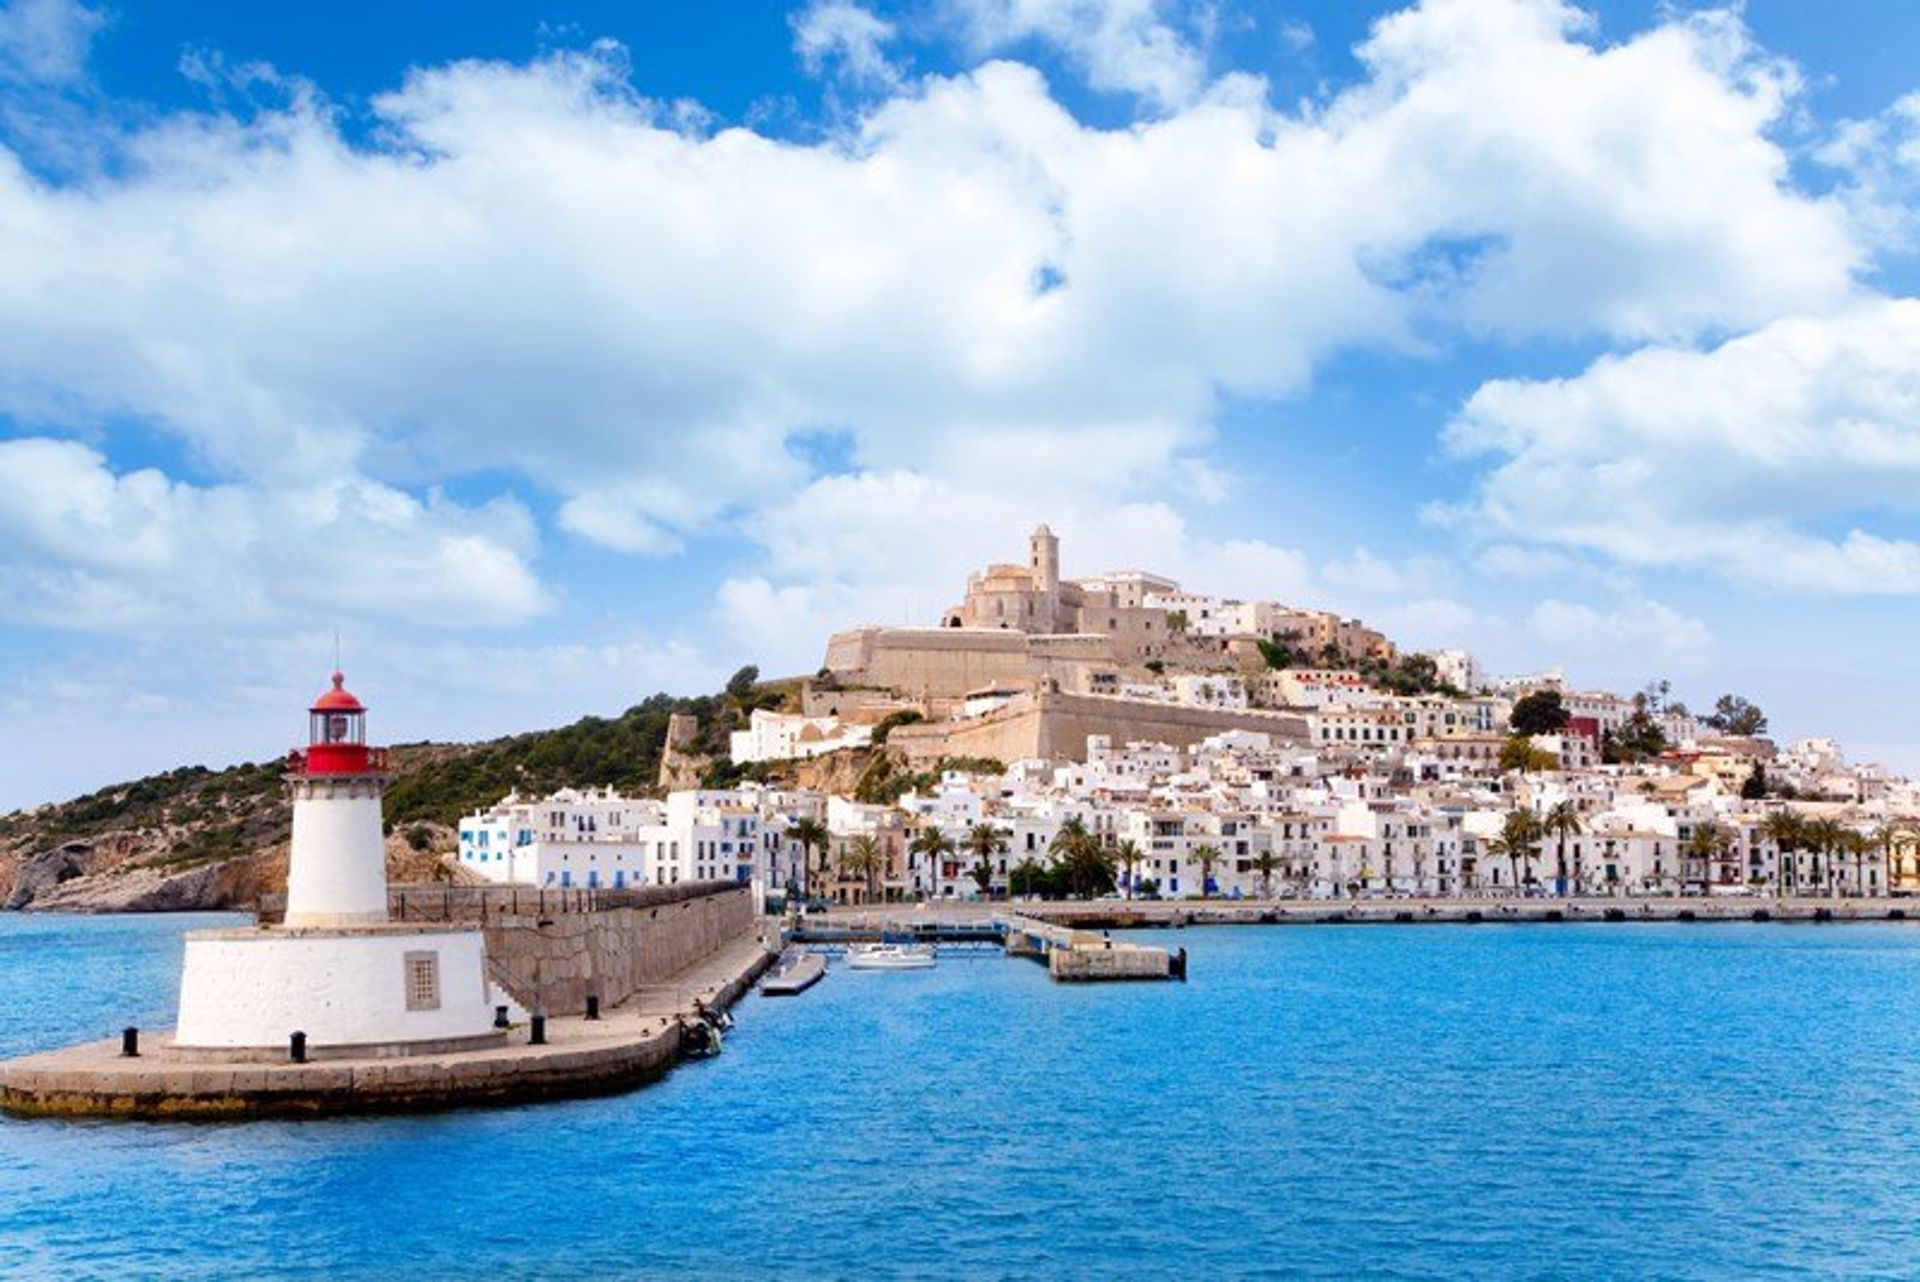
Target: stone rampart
x=553 y=963
x=1054 y=725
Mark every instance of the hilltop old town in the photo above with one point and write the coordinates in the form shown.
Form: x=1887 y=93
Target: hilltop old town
x=1119 y=736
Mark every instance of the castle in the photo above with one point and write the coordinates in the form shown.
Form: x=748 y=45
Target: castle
x=1023 y=627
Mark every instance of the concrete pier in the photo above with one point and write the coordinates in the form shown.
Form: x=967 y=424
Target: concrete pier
x=1087 y=956
x=630 y=1044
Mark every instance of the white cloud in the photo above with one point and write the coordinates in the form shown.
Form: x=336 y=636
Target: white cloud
x=538 y=272
x=1128 y=46
x=1880 y=159
x=46 y=41
x=1742 y=459
x=82 y=547
x=1648 y=631
x=847 y=36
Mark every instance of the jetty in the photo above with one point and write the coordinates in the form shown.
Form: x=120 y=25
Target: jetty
x=1070 y=955
x=795 y=976
x=598 y=995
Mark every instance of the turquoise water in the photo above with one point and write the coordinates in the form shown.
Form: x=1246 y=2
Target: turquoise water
x=1630 y=1100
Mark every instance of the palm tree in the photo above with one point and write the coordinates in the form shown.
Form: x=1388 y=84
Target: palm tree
x=1826 y=837
x=935 y=845
x=1265 y=863
x=1127 y=855
x=810 y=833
x=1206 y=856
x=1518 y=832
x=864 y=858
x=1857 y=844
x=1562 y=820
x=1788 y=832
x=1705 y=843
x=985 y=841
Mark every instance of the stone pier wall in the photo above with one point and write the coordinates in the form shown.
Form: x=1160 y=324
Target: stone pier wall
x=612 y=952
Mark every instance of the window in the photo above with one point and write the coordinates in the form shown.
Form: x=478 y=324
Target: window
x=423 y=981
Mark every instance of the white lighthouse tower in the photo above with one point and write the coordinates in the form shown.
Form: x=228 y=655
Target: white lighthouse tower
x=336 y=971
x=337 y=869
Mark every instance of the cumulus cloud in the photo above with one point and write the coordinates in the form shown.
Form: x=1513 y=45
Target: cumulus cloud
x=83 y=547
x=1741 y=459
x=536 y=271
x=1599 y=635
x=847 y=37
x=1127 y=46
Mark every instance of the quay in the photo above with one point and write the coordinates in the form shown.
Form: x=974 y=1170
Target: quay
x=1070 y=955
x=1158 y=914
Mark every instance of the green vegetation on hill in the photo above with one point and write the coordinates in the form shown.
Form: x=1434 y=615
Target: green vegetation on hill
x=593 y=752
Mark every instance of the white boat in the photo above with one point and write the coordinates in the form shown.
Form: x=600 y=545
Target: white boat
x=890 y=957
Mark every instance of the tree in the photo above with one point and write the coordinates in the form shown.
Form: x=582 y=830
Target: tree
x=864 y=859
x=1706 y=844
x=1788 y=833
x=936 y=846
x=1733 y=715
x=1266 y=863
x=1206 y=856
x=1825 y=837
x=812 y=835
x=985 y=841
x=1127 y=855
x=740 y=685
x=1277 y=654
x=1518 y=832
x=1026 y=878
x=1541 y=712
x=1177 y=622
x=1084 y=865
x=1561 y=821
x=1640 y=736
x=1518 y=753
x=892 y=721
x=1754 y=786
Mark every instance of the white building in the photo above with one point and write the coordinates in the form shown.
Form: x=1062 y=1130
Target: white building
x=775 y=736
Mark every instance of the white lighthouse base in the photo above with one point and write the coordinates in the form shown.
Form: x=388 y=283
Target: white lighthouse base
x=372 y=990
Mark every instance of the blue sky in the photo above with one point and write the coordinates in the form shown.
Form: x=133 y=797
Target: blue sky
x=558 y=353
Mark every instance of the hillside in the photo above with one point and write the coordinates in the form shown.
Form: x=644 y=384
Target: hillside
x=198 y=838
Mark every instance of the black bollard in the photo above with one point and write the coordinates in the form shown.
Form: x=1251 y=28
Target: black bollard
x=1178 y=965
x=297 y=1048
x=593 y=1006
x=538 y=1036
x=130 y=1043
x=499 y=1016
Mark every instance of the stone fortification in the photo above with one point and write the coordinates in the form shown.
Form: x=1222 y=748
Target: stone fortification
x=1054 y=725
x=554 y=962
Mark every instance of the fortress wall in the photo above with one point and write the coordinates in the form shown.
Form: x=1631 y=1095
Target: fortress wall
x=1055 y=726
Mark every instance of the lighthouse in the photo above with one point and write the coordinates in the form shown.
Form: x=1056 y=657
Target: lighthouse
x=337 y=867
x=336 y=970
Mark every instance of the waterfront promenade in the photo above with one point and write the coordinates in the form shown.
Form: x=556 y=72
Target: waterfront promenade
x=631 y=1044
x=1149 y=914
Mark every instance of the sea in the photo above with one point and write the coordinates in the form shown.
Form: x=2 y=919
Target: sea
x=1499 y=1101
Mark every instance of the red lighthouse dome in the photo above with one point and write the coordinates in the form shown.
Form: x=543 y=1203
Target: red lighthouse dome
x=337 y=735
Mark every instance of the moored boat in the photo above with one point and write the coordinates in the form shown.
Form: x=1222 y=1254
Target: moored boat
x=890 y=957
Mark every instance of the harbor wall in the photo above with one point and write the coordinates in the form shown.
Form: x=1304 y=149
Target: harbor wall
x=553 y=963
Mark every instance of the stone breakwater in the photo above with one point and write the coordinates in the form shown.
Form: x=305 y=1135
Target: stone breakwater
x=554 y=963
x=631 y=1045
